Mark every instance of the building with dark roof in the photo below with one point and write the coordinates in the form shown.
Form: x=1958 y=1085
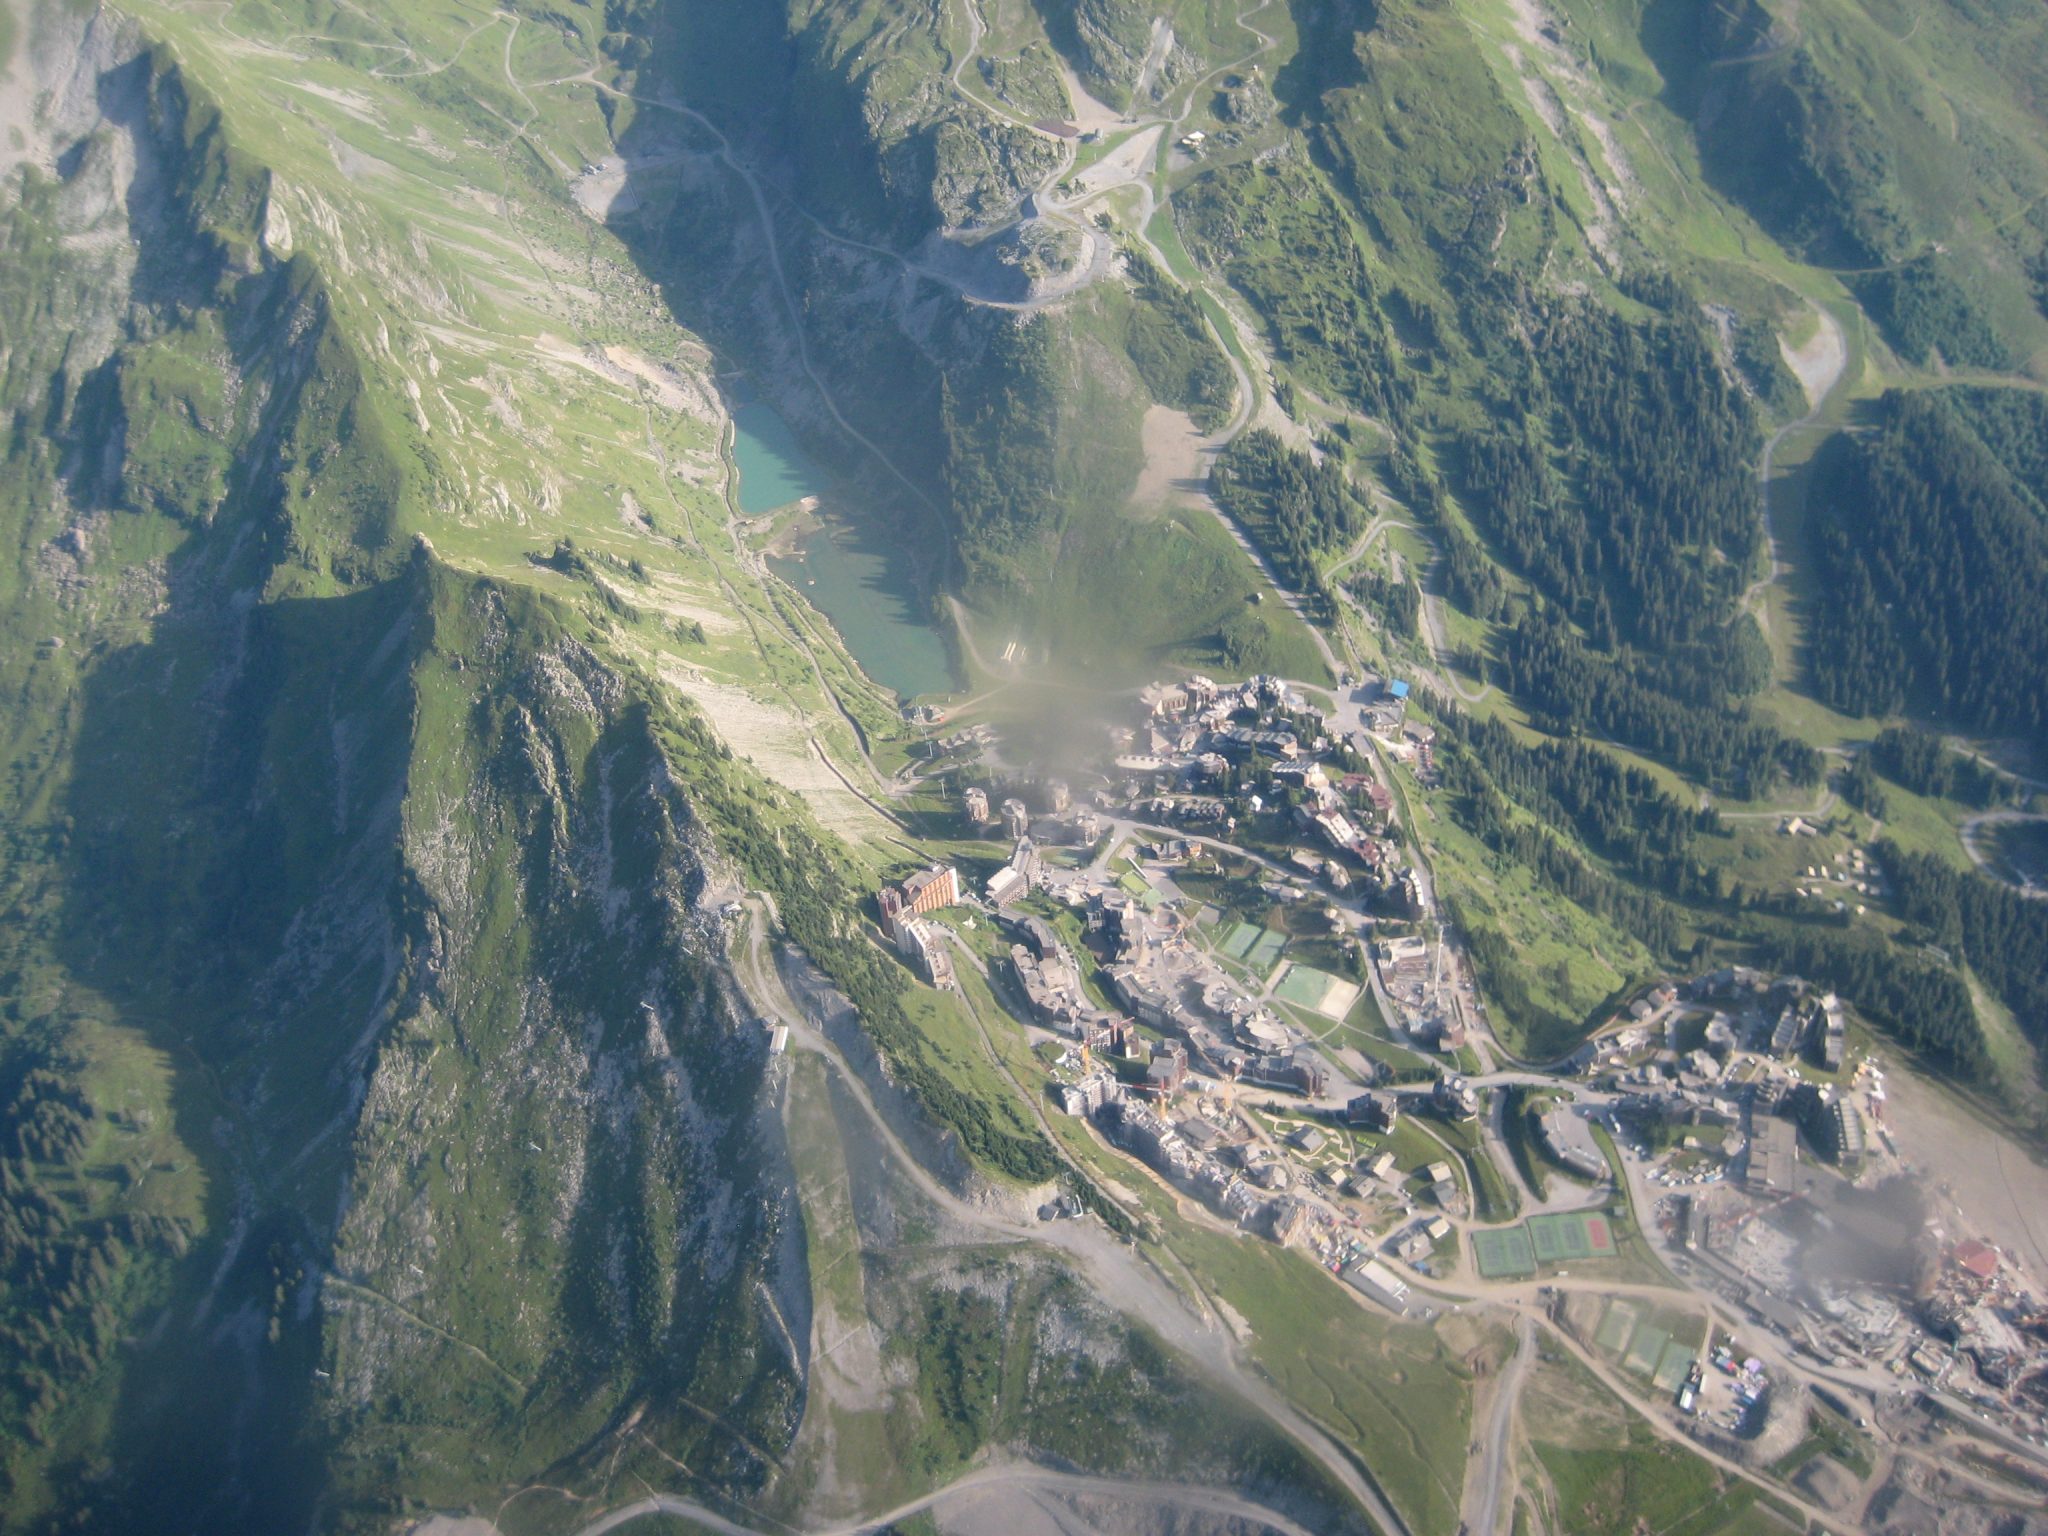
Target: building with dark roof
x=1373 y=1111
x=1299 y=1069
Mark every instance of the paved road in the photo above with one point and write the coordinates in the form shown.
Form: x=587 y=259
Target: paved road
x=1973 y=836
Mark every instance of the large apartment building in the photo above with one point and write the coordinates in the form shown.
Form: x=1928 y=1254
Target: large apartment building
x=926 y=891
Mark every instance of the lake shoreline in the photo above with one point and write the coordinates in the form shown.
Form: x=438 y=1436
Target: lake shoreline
x=868 y=587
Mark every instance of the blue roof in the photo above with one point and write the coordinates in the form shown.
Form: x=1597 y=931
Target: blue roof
x=1398 y=689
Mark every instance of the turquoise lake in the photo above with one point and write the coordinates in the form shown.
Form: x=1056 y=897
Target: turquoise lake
x=852 y=572
x=773 y=470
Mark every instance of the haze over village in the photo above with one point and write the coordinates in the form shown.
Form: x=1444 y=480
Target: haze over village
x=1327 y=1080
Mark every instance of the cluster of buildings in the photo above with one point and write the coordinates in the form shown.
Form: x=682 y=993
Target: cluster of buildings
x=1781 y=1017
x=1811 y=1025
x=1165 y=982
x=904 y=908
x=1719 y=1068
x=1987 y=1331
x=1058 y=822
x=1874 y=1280
x=1048 y=977
x=1172 y=985
x=1856 y=876
x=1209 y=1160
x=1201 y=1148
x=1202 y=753
x=1742 y=1076
x=1818 y=1229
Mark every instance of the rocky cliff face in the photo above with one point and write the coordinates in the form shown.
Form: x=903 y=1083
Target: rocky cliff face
x=372 y=1110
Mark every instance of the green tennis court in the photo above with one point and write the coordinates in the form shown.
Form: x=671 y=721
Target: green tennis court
x=1616 y=1327
x=1238 y=939
x=1576 y=1235
x=1266 y=951
x=1306 y=987
x=1671 y=1371
x=1137 y=887
x=1502 y=1254
x=1647 y=1349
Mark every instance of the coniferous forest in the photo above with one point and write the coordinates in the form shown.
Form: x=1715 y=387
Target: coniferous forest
x=1672 y=707
x=1999 y=933
x=1933 y=562
x=1295 y=506
x=1640 y=464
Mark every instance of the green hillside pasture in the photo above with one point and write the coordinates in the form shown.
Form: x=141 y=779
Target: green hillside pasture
x=1131 y=594
x=1399 y=1395
x=1565 y=961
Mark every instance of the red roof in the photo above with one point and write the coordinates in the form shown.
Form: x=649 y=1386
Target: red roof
x=1978 y=1258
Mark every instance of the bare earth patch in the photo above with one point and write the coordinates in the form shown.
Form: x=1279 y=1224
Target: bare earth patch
x=1817 y=362
x=1176 y=459
x=2001 y=1193
x=1128 y=161
x=779 y=744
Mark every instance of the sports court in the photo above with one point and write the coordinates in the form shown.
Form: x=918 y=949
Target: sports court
x=1318 y=991
x=1549 y=1240
x=1237 y=940
x=1251 y=946
x=1137 y=887
x=1647 y=1349
x=1504 y=1253
x=1617 y=1327
x=1672 y=1371
x=1574 y=1235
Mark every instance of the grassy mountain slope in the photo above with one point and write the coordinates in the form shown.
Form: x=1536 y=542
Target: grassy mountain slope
x=1899 y=145
x=1011 y=435
x=356 y=967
